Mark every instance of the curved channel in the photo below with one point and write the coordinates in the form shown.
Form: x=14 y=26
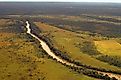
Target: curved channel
x=46 y=47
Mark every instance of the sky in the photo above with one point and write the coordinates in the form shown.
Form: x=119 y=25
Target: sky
x=113 y=1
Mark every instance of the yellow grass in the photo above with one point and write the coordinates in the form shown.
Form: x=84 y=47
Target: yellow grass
x=109 y=47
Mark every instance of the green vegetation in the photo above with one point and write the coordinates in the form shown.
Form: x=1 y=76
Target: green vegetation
x=113 y=60
x=89 y=48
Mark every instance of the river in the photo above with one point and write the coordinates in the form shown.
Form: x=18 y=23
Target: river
x=46 y=47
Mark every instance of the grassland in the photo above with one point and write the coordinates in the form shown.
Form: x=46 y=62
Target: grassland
x=66 y=41
x=21 y=58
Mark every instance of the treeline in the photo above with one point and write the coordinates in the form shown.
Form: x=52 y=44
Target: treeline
x=112 y=60
x=36 y=31
x=91 y=73
x=109 y=30
x=88 y=47
x=104 y=18
x=105 y=29
x=87 y=71
x=12 y=26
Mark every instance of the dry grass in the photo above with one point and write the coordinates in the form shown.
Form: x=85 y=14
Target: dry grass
x=109 y=47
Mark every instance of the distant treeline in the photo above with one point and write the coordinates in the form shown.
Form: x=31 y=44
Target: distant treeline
x=105 y=29
x=60 y=8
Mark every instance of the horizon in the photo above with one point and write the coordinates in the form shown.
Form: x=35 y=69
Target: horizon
x=81 y=1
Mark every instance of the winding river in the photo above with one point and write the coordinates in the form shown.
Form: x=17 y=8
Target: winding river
x=49 y=52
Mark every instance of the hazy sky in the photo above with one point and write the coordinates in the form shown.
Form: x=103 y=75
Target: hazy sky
x=116 y=1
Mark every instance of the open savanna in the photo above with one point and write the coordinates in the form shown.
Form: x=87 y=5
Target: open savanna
x=67 y=42
x=22 y=58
